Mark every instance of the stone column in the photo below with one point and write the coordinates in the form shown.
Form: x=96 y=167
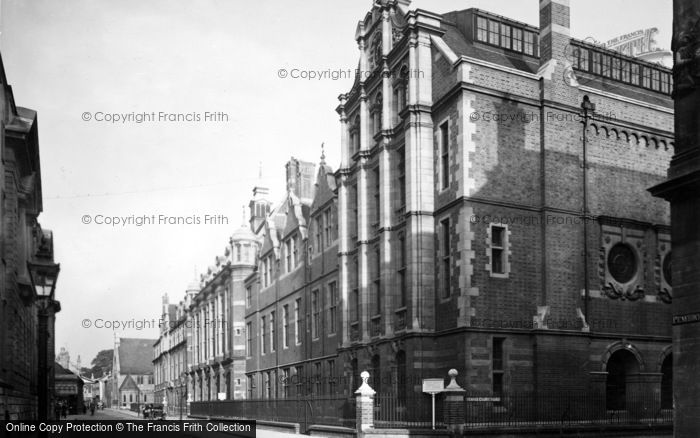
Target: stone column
x=682 y=189
x=343 y=221
x=365 y=404
x=453 y=408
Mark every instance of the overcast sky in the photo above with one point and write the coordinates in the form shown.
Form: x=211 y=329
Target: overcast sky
x=70 y=57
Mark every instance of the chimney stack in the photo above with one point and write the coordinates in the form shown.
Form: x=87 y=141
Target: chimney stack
x=300 y=179
x=555 y=53
x=554 y=30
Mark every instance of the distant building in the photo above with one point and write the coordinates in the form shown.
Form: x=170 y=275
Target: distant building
x=170 y=355
x=63 y=358
x=216 y=368
x=105 y=389
x=91 y=389
x=132 y=375
x=68 y=389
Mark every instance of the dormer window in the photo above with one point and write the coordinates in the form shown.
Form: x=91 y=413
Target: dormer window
x=612 y=65
x=509 y=35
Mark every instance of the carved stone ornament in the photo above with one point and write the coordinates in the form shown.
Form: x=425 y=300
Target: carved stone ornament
x=686 y=55
x=665 y=296
x=616 y=291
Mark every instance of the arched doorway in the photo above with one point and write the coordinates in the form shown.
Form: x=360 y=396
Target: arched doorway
x=621 y=365
x=667 y=383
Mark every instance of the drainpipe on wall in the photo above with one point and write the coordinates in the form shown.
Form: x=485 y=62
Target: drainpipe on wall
x=588 y=108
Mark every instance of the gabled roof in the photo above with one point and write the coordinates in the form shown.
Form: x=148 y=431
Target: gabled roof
x=325 y=187
x=129 y=385
x=296 y=216
x=61 y=371
x=136 y=355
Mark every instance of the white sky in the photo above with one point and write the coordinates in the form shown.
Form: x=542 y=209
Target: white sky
x=64 y=58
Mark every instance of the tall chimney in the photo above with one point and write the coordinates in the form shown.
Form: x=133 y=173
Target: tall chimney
x=554 y=47
x=300 y=179
x=554 y=30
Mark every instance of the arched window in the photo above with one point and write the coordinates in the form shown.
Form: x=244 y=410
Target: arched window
x=238 y=252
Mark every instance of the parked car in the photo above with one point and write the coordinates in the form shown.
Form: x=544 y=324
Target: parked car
x=154 y=412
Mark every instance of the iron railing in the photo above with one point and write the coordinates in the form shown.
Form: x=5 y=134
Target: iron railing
x=481 y=411
x=320 y=410
x=562 y=409
x=412 y=411
x=522 y=410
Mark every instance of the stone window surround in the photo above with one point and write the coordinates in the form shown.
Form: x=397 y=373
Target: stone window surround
x=506 y=250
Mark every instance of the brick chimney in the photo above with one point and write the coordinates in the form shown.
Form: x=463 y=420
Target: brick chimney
x=555 y=52
x=300 y=179
x=554 y=30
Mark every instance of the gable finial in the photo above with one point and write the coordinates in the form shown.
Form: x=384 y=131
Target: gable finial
x=323 y=154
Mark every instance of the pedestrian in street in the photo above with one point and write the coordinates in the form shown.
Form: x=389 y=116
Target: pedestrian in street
x=64 y=410
x=57 y=411
x=92 y=408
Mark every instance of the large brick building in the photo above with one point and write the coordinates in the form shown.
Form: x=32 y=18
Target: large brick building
x=293 y=308
x=490 y=214
x=481 y=229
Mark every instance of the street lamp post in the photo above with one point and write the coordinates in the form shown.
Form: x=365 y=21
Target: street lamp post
x=43 y=274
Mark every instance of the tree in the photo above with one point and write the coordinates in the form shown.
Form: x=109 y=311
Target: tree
x=102 y=363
